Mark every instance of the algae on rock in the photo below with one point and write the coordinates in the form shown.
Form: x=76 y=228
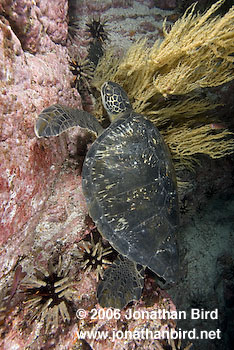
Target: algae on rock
x=164 y=82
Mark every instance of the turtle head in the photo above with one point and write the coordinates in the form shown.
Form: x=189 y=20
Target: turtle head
x=114 y=99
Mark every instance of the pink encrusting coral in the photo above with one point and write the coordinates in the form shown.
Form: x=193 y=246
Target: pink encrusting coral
x=32 y=20
x=30 y=83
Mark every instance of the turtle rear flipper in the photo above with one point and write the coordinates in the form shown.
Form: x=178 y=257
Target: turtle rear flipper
x=55 y=119
x=122 y=282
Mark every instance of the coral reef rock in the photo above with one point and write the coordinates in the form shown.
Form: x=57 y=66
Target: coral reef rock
x=34 y=72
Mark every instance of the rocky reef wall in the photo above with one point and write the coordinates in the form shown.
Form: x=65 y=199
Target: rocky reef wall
x=34 y=73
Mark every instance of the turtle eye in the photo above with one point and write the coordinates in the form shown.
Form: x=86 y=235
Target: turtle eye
x=108 y=91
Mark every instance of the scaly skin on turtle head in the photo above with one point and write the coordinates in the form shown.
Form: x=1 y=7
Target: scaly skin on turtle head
x=114 y=99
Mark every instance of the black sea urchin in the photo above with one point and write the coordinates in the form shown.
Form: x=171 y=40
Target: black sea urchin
x=73 y=28
x=82 y=69
x=92 y=256
x=48 y=295
x=96 y=29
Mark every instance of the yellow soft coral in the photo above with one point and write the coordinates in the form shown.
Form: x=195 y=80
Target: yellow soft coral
x=185 y=143
x=197 y=52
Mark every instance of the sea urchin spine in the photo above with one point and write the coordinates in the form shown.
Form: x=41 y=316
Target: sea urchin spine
x=92 y=256
x=48 y=295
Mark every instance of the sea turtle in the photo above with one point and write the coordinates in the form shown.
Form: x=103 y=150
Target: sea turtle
x=129 y=183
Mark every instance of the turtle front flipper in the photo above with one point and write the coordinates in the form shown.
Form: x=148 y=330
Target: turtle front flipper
x=122 y=282
x=55 y=119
